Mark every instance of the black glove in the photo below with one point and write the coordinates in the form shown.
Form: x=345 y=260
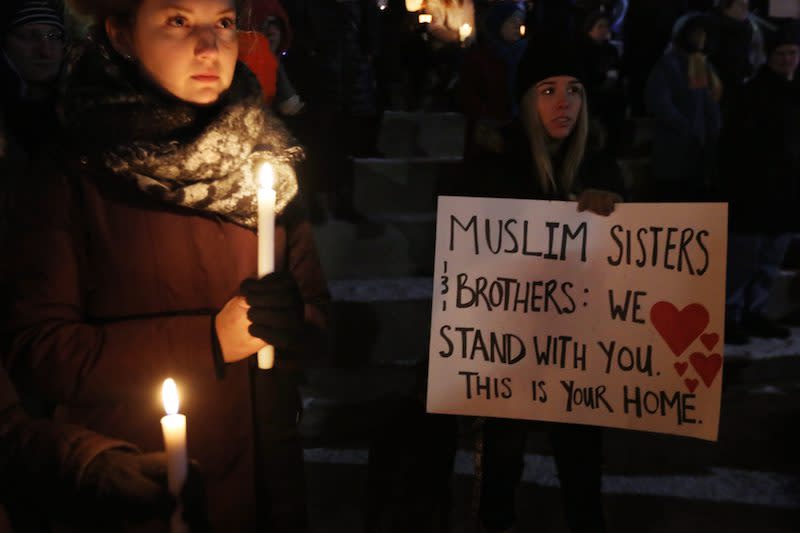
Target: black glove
x=127 y=485
x=276 y=308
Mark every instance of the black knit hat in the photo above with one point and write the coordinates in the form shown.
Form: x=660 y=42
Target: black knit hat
x=787 y=33
x=546 y=57
x=17 y=13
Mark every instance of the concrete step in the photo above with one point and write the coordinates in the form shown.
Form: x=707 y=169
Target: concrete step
x=386 y=247
x=401 y=186
x=410 y=134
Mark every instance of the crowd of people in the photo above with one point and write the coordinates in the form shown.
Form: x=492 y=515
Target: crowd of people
x=129 y=131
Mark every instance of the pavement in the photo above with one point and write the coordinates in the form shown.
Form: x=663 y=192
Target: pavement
x=747 y=481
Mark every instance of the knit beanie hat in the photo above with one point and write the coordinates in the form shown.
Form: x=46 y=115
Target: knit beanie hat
x=787 y=33
x=17 y=13
x=545 y=57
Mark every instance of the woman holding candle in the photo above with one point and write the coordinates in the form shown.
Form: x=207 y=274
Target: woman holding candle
x=134 y=273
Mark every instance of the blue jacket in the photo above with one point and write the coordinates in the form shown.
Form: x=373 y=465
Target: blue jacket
x=687 y=121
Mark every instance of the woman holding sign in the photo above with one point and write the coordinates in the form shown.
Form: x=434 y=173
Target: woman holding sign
x=547 y=156
x=138 y=251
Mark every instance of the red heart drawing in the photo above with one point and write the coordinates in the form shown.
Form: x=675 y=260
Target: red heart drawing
x=679 y=328
x=691 y=384
x=709 y=340
x=681 y=368
x=707 y=367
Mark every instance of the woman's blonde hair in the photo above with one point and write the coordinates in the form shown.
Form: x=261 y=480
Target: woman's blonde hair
x=550 y=181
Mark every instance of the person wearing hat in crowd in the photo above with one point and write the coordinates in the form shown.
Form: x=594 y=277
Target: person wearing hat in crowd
x=547 y=154
x=487 y=83
x=682 y=95
x=32 y=40
x=603 y=84
x=134 y=258
x=760 y=176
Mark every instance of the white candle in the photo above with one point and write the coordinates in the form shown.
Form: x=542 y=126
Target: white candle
x=173 y=425
x=464 y=31
x=425 y=18
x=266 y=242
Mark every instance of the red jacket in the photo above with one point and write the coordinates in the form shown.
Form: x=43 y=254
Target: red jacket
x=254 y=51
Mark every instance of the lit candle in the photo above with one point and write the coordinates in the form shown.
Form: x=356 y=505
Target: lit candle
x=425 y=18
x=413 y=5
x=266 y=242
x=522 y=30
x=464 y=31
x=173 y=425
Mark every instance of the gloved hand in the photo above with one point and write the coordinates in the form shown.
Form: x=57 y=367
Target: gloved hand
x=121 y=484
x=128 y=485
x=599 y=202
x=276 y=308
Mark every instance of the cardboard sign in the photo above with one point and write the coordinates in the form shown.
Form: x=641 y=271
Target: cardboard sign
x=544 y=313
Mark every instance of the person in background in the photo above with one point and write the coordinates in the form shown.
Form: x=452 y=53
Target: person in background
x=734 y=46
x=487 y=83
x=547 y=156
x=452 y=29
x=144 y=266
x=647 y=31
x=760 y=176
x=682 y=95
x=605 y=93
x=33 y=45
x=287 y=101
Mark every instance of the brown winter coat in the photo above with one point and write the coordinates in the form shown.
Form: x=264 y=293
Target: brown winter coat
x=114 y=292
x=41 y=460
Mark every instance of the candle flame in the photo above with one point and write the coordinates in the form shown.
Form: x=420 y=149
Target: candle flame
x=465 y=31
x=425 y=18
x=413 y=5
x=266 y=176
x=522 y=30
x=169 y=393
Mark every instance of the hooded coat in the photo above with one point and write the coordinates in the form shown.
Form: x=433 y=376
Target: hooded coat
x=760 y=155
x=687 y=120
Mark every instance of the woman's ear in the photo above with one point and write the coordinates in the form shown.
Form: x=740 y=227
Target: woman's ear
x=120 y=38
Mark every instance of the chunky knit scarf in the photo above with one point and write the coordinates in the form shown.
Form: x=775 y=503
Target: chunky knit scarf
x=202 y=158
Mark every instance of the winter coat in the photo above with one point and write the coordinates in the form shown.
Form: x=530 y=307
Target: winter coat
x=115 y=291
x=483 y=90
x=687 y=122
x=730 y=47
x=760 y=155
x=40 y=459
x=512 y=174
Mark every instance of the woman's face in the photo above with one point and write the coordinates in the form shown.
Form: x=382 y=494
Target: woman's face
x=188 y=47
x=558 y=103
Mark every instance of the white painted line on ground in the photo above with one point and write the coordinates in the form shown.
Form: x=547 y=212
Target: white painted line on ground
x=724 y=485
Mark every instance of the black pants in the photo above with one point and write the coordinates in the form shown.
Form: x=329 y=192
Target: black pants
x=578 y=456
